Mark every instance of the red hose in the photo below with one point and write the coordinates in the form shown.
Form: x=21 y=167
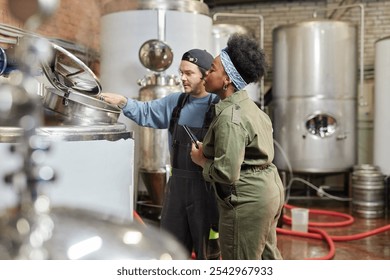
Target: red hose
x=138 y=217
x=328 y=239
x=320 y=234
x=348 y=218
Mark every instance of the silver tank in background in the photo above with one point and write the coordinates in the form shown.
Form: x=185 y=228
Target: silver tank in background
x=382 y=101
x=221 y=33
x=125 y=26
x=314 y=93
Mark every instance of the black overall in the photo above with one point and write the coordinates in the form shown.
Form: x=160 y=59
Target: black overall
x=189 y=208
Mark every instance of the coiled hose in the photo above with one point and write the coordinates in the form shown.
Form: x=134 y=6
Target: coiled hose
x=315 y=233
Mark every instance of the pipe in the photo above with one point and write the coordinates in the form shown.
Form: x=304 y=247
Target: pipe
x=261 y=20
x=334 y=10
x=161 y=15
x=362 y=102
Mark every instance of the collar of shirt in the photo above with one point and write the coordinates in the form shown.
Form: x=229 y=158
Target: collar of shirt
x=235 y=98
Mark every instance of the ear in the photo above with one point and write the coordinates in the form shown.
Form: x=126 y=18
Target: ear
x=227 y=80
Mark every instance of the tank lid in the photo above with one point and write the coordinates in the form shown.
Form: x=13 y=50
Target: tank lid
x=313 y=23
x=228 y=29
x=112 y=132
x=187 y=6
x=65 y=71
x=383 y=39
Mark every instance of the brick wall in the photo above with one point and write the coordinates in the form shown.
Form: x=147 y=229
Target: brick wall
x=75 y=21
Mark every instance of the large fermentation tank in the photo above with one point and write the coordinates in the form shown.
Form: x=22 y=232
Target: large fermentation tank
x=126 y=25
x=382 y=101
x=220 y=34
x=314 y=92
x=82 y=158
x=85 y=139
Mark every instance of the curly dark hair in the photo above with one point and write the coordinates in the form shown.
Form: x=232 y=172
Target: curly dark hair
x=247 y=56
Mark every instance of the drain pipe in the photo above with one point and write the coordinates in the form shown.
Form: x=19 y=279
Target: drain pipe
x=261 y=20
x=362 y=101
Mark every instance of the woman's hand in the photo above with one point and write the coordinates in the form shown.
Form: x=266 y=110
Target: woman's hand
x=197 y=154
x=114 y=99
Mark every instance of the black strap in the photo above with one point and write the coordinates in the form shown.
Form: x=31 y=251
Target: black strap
x=180 y=104
x=210 y=112
x=176 y=111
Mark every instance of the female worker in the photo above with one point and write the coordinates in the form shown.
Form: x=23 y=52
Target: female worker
x=237 y=153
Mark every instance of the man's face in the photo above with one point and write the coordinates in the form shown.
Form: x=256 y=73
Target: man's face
x=191 y=78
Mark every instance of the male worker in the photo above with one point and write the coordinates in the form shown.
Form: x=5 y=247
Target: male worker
x=189 y=208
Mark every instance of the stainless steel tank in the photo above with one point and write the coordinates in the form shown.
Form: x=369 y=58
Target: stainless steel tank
x=92 y=200
x=81 y=157
x=84 y=134
x=141 y=21
x=314 y=95
x=382 y=101
x=221 y=33
x=126 y=25
x=74 y=98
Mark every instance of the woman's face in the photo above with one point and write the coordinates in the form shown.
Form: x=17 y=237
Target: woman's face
x=215 y=77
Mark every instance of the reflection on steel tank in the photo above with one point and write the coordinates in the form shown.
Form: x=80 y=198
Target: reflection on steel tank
x=382 y=101
x=314 y=92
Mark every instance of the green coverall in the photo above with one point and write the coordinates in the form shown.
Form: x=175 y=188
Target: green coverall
x=239 y=150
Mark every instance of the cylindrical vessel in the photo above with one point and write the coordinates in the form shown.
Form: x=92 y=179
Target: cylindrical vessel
x=154 y=160
x=82 y=158
x=76 y=109
x=126 y=25
x=368 y=192
x=382 y=101
x=221 y=33
x=79 y=234
x=314 y=92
